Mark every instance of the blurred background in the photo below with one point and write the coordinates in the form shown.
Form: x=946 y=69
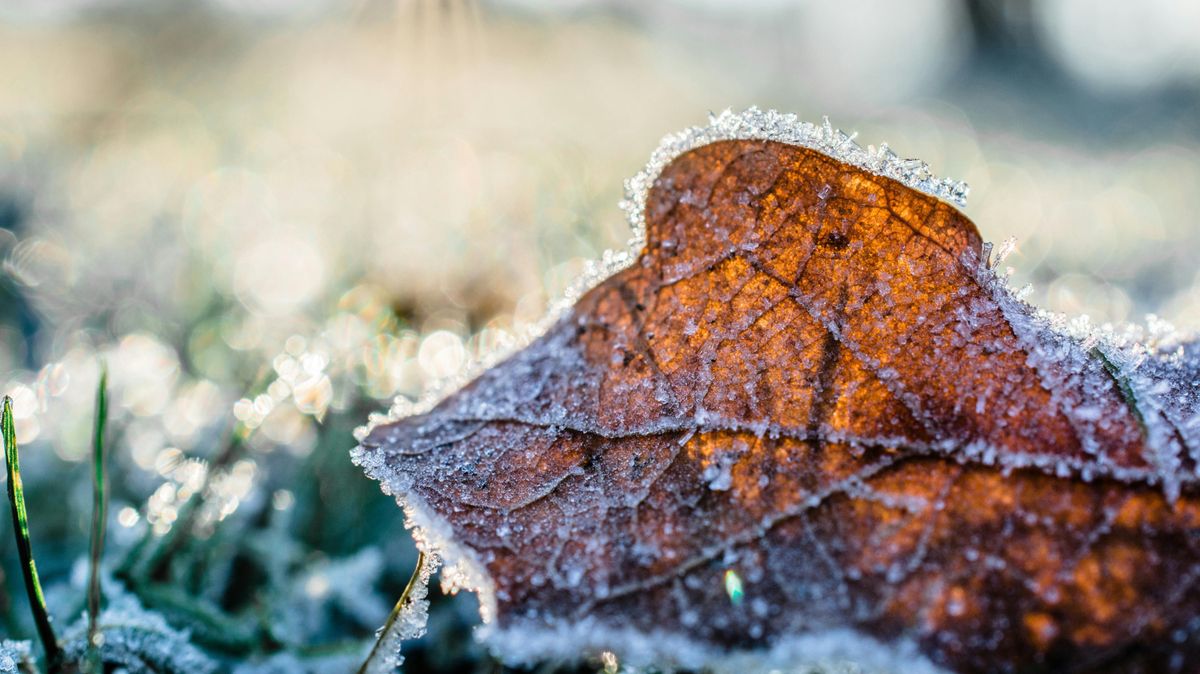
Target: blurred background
x=273 y=216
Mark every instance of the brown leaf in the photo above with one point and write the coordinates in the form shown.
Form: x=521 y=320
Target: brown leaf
x=808 y=413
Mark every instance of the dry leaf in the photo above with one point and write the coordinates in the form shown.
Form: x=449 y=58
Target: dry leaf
x=809 y=422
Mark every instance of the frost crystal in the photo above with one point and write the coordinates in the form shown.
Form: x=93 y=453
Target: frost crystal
x=12 y=654
x=820 y=652
x=433 y=537
x=409 y=624
x=138 y=640
x=1156 y=368
x=755 y=124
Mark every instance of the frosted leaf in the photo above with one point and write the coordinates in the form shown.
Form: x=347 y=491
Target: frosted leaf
x=807 y=374
x=13 y=654
x=137 y=640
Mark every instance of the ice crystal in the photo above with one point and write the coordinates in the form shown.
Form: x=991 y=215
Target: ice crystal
x=820 y=652
x=409 y=624
x=13 y=654
x=1156 y=367
x=138 y=640
x=755 y=124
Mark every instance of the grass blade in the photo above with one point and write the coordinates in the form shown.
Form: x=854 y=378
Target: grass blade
x=99 y=520
x=16 y=497
x=396 y=610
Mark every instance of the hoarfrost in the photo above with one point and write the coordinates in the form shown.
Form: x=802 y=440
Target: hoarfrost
x=409 y=624
x=1154 y=366
x=821 y=652
x=137 y=640
x=13 y=654
x=433 y=537
x=755 y=124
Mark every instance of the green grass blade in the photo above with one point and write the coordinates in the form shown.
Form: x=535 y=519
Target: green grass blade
x=16 y=497
x=99 y=520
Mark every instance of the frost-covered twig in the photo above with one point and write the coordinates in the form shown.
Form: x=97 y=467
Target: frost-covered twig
x=383 y=652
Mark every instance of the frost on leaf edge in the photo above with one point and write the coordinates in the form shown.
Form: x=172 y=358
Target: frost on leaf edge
x=460 y=567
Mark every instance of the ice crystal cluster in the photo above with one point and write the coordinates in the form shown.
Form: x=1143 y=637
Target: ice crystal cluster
x=139 y=641
x=12 y=654
x=1155 y=366
x=409 y=624
x=755 y=124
